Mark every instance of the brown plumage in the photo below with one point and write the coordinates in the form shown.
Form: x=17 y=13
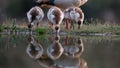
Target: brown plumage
x=75 y=49
x=34 y=13
x=80 y=12
x=55 y=16
x=74 y=14
x=34 y=48
x=55 y=50
x=63 y=4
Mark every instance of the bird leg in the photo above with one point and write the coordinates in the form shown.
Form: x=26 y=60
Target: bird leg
x=37 y=24
x=79 y=24
x=66 y=40
x=51 y=26
x=67 y=24
x=73 y=24
x=70 y=24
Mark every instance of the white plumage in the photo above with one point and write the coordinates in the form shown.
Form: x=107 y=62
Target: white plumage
x=75 y=14
x=74 y=50
x=55 y=16
x=34 y=15
x=34 y=49
x=55 y=50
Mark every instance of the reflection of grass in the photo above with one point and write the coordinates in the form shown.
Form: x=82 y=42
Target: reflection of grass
x=95 y=38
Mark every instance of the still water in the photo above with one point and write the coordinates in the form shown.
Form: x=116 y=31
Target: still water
x=49 y=51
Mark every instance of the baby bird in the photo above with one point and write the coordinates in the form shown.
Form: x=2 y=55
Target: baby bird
x=55 y=16
x=74 y=14
x=34 y=15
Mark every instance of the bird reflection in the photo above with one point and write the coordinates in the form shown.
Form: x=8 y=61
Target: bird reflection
x=63 y=62
x=55 y=50
x=58 y=55
x=83 y=63
x=74 y=50
x=34 y=49
x=46 y=62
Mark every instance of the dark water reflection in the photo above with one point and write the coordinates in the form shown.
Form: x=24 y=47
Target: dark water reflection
x=30 y=51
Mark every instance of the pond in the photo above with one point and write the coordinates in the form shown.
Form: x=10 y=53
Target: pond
x=48 y=51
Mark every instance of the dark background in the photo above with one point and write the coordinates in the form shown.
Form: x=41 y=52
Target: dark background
x=107 y=10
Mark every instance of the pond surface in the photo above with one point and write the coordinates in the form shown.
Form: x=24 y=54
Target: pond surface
x=48 y=51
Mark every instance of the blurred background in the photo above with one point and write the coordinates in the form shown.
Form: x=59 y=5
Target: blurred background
x=104 y=10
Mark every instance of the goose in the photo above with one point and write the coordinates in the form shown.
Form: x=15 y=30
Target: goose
x=55 y=50
x=34 y=48
x=63 y=4
x=55 y=16
x=34 y=15
x=74 y=14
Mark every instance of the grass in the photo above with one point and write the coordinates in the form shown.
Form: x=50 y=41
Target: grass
x=13 y=27
x=90 y=28
x=41 y=30
x=1 y=28
x=100 y=28
x=97 y=28
x=94 y=26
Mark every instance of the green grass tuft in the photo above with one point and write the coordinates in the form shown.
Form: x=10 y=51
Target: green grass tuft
x=117 y=33
x=41 y=30
x=13 y=27
x=1 y=28
x=100 y=28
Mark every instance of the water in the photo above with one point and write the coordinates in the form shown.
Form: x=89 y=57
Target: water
x=30 y=51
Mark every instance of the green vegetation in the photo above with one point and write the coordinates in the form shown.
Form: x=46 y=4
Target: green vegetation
x=1 y=28
x=13 y=27
x=94 y=26
x=97 y=26
x=41 y=30
x=89 y=28
x=100 y=28
x=113 y=29
x=6 y=27
x=117 y=33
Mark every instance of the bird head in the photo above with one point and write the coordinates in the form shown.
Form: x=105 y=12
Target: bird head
x=57 y=28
